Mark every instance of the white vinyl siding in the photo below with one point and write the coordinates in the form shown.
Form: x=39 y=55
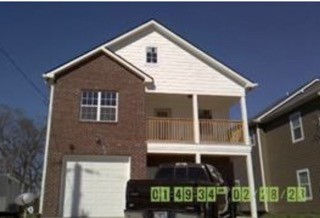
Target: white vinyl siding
x=303 y=177
x=296 y=127
x=100 y=106
x=179 y=71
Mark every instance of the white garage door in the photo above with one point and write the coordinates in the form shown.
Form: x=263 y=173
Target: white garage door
x=96 y=188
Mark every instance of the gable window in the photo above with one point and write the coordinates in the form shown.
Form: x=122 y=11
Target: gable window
x=296 y=127
x=101 y=106
x=303 y=177
x=152 y=55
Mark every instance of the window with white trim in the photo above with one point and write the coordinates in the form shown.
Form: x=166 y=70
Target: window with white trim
x=100 y=106
x=296 y=127
x=303 y=177
x=151 y=55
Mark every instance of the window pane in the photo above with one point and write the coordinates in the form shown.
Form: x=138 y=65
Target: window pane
x=89 y=98
x=297 y=133
x=88 y=113
x=295 y=122
x=308 y=194
x=164 y=173
x=197 y=174
x=108 y=99
x=108 y=114
x=151 y=55
x=181 y=173
x=303 y=176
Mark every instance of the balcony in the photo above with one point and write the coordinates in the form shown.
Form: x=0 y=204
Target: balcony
x=212 y=131
x=196 y=119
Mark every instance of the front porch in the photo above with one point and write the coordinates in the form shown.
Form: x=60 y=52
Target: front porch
x=196 y=119
x=212 y=131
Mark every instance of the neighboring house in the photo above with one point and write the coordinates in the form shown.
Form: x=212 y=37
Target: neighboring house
x=146 y=97
x=287 y=136
x=9 y=190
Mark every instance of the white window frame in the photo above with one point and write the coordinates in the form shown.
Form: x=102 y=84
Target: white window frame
x=146 y=55
x=99 y=106
x=305 y=170
x=291 y=118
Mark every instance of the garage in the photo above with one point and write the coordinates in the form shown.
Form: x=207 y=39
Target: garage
x=95 y=187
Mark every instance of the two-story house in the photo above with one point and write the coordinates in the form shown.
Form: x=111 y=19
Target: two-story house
x=144 y=98
x=287 y=138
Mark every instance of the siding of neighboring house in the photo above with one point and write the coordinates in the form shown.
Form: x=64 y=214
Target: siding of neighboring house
x=177 y=71
x=70 y=136
x=282 y=157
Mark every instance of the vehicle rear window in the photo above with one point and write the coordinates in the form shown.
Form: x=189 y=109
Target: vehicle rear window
x=197 y=174
x=165 y=173
x=181 y=173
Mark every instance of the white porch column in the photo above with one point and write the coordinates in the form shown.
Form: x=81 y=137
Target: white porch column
x=244 y=120
x=198 y=157
x=253 y=202
x=195 y=119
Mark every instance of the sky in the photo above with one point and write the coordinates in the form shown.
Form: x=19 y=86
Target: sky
x=276 y=45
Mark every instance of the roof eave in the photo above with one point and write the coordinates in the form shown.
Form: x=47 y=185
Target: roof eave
x=50 y=76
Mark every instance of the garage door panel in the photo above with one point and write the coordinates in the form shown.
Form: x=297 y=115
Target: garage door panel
x=95 y=189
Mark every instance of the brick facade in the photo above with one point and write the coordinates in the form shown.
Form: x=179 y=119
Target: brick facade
x=70 y=136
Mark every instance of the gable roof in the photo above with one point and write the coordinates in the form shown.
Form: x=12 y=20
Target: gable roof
x=54 y=73
x=154 y=25
x=299 y=96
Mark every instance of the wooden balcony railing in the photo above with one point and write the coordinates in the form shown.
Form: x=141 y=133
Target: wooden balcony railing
x=170 y=129
x=221 y=131
x=181 y=130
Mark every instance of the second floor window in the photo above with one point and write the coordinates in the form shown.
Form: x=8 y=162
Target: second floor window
x=100 y=106
x=296 y=127
x=151 y=55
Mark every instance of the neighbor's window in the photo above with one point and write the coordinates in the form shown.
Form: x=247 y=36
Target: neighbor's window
x=99 y=106
x=151 y=55
x=296 y=127
x=303 y=177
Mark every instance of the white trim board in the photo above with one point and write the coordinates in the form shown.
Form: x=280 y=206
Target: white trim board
x=214 y=149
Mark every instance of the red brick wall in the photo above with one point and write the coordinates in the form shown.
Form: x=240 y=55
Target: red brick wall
x=70 y=136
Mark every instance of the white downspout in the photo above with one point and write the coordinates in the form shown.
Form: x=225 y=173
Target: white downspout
x=44 y=170
x=262 y=165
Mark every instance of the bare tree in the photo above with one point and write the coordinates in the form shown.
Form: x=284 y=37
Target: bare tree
x=21 y=148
